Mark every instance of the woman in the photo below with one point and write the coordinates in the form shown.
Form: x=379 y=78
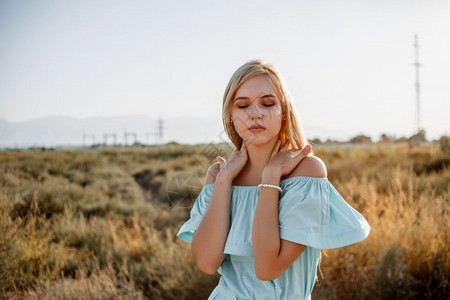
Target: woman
x=265 y=213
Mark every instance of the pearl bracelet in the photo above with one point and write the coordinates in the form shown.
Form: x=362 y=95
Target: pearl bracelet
x=270 y=186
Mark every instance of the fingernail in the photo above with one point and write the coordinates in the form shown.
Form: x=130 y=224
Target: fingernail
x=308 y=147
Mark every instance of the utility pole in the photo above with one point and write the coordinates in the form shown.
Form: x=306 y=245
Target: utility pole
x=417 y=84
x=132 y=134
x=158 y=134
x=105 y=138
x=160 y=129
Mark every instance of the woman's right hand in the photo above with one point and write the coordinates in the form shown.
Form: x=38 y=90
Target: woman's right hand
x=235 y=162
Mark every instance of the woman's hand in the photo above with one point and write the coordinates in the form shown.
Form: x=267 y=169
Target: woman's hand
x=283 y=161
x=235 y=162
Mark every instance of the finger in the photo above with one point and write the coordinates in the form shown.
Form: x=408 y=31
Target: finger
x=233 y=154
x=220 y=160
x=285 y=145
x=243 y=146
x=243 y=149
x=303 y=152
x=276 y=148
x=307 y=149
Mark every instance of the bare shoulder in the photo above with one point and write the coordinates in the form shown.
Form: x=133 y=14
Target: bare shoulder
x=212 y=172
x=310 y=166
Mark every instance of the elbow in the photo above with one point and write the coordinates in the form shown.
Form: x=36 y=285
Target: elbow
x=205 y=265
x=266 y=275
x=207 y=268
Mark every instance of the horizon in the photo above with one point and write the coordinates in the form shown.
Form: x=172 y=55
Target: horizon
x=88 y=132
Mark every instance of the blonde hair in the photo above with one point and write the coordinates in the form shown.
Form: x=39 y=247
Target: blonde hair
x=290 y=129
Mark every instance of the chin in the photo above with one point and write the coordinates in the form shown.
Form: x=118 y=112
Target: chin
x=257 y=140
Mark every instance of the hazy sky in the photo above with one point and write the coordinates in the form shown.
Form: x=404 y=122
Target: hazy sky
x=348 y=64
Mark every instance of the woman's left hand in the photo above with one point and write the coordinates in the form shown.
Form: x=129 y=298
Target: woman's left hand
x=283 y=161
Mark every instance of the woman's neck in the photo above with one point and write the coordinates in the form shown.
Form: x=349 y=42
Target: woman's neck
x=258 y=157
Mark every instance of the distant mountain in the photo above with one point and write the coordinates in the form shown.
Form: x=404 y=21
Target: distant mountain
x=54 y=131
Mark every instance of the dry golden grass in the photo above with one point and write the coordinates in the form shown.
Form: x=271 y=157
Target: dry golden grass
x=100 y=224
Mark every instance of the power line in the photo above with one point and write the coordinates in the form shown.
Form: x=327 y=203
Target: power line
x=105 y=138
x=131 y=134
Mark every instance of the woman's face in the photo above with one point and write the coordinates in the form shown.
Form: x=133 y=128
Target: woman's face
x=256 y=104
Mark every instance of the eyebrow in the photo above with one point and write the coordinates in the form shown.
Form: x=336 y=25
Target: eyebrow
x=262 y=97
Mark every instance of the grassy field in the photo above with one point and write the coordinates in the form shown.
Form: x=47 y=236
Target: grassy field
x=102 y=224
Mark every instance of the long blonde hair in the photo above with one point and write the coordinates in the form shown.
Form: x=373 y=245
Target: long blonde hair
x=290 y=129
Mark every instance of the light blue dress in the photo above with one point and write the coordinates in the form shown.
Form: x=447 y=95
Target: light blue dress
x=311 y=212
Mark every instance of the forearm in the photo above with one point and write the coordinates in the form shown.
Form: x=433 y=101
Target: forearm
x=265 y=231
x=209 y=239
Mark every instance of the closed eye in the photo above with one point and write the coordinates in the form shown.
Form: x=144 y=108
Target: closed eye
x=267 y=105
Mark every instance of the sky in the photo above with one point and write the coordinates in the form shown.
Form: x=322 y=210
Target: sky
x=348 y=64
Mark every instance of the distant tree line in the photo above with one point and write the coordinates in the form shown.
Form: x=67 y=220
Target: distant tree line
x=416 y=138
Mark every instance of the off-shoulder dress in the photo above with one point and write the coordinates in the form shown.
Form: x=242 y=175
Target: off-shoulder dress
x=311 y=213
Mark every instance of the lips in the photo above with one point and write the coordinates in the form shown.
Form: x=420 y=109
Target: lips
x=256 y=127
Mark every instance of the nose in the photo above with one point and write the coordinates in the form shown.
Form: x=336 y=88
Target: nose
x=255 y=114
